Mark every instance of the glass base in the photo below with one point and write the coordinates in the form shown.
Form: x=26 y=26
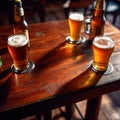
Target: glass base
x=81 y=40
x=31 y=66
x=108 y=71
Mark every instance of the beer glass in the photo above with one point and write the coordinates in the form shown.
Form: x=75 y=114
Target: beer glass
x=75 y=22
x=18 y=49
x=103 y=47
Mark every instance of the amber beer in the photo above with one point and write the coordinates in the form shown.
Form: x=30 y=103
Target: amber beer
x=103 y=47
x=75 y=24
x=18 y=49
x=98 y=20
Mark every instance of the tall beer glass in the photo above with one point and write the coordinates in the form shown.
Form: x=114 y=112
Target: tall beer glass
x=103 y=47
x=75 y=22
x=18 y=49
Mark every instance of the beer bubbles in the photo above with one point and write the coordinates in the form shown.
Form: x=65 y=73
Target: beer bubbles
x=103 y=47
x=17 y=40
x=18 y=49
x=75 y=22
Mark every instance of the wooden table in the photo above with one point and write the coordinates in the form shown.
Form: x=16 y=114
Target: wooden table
x=61 y=76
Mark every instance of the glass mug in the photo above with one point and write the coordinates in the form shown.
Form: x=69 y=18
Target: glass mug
x=103 y=47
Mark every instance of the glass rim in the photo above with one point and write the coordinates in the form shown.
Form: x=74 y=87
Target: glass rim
x=17 y=34
x=76 y=12
x=79 y=15
x=103 y=37
x=25 y=38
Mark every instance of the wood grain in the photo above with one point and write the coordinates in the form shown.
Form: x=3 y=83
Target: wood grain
x=61 y=72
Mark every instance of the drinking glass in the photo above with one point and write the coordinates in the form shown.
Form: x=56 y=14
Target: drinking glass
x=18 y=49
x=75 y=22
x=87 y=24
x=103 y=47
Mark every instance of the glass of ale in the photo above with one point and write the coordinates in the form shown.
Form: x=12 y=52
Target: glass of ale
x=103 y=47
x=75 y=22
x=18 y=49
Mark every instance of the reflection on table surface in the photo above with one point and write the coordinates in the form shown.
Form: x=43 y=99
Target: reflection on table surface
x=61 y=71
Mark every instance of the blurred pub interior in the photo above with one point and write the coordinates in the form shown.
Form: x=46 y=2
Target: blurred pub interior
x=37 y=11
x=49 y=10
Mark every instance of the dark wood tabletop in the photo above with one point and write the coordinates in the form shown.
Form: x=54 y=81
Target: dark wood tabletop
x=62 y=74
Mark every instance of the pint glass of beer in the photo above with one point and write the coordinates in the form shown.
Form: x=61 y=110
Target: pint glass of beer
x=18 y=49
x=75 y=23
x=103 y=47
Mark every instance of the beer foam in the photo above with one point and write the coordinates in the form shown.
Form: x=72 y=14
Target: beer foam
x=17 y=40
x=103 y=43
x=76 y=16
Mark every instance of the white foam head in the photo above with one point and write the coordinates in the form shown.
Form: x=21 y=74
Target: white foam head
x=103 y=42
x=76 y=16
x=17 y=40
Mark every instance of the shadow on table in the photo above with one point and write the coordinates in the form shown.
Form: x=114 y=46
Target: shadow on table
x=63 y=51
x=4 y=84
x=88 y=78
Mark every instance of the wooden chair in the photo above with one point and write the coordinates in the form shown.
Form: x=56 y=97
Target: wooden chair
x=84 y=4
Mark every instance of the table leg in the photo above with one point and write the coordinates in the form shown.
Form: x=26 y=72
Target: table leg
x=40 y=7
x=92 y=108
x=44 y=116
x=47 y=115
x=69 y=112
